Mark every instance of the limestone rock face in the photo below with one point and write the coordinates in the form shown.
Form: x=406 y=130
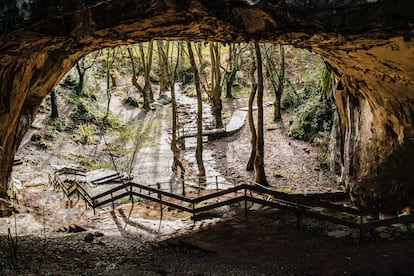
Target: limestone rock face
x=368 y=43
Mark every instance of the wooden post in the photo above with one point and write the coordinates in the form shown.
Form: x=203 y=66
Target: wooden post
x=194 y=216
x=160 y=200
x=245 y=204
x=131 y=197
x=217 y=183
x=113 y=205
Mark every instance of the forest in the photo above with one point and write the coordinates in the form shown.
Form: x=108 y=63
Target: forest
x=218 y=77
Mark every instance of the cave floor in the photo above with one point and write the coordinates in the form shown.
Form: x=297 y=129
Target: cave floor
x=228 y=246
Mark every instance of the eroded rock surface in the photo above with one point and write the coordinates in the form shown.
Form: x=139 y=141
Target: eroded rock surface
x=367 y=43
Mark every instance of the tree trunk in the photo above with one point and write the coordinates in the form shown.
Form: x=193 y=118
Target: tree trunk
x=233 y=66
x=53 y=104
x=228 y=74
x=259 y=161
x=176 y=151
x=146 y=104
x=163 y=63
x=199 y=147
x=201 y=70
x=108 y=65
x=253 y=136
x=81 y=73
x=215 y=92
x=278 y=94
x=81 y=68
x=276 y=78
x=113 y=79
x=147 y=64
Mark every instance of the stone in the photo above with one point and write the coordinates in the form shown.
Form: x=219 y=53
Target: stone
x=368 y=44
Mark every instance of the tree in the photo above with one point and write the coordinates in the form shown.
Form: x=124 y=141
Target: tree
x=215 y=91
x=81 y=68
x=146 y=61
x=163 y=64
x=53 y=104
x=109 y=61
x=276 y=78
x=147 y=85
x=232 y=67
x=201 y=69
x=253 y=136
x=176 y=152
x=199 y=147
x=259 y=160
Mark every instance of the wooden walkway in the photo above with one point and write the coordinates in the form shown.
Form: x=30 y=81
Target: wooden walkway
x=234 y=125
x=319 y=208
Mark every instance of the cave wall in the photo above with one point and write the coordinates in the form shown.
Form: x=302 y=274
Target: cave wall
x=376 y=107
x=367 y=43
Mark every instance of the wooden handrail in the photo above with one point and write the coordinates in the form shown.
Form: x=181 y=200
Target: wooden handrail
x=220 y=193
x=123 y=186
x=298 y=204
x=303 y=200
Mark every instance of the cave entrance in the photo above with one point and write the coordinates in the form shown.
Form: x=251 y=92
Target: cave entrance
x=123 y=140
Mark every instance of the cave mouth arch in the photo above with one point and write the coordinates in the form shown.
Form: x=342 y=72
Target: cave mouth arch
x=75 y=138
x=368 y=45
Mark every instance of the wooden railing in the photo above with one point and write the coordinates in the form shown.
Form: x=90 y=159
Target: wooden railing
x=300 y=205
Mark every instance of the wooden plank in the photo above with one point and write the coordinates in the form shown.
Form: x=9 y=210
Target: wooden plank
x=123 y=186
x=303 y=200
x=167 y=203
x=219 y=204
x=112 y=199
x=387 y=222
x=107 y=180
x=100 y=174
x=164 y=193
x=217 y=194
x=305 y=212
x=66 y=170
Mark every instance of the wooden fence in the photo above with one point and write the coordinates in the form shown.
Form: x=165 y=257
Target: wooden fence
x=300 y=205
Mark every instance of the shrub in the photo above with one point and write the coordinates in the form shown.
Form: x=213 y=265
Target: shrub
x=83 y=113
x=84 y=134
x=50 y=133
x=314 y=114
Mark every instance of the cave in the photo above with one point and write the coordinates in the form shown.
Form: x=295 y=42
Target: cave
x=367 y=43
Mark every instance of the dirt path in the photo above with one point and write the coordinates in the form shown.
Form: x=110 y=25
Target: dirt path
x=291 y=165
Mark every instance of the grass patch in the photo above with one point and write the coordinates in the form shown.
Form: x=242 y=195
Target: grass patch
x=84 y=134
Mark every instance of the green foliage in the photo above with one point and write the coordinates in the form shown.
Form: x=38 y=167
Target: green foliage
x=88 y=163
x=84 y=134
x=83 y=112
x=50 y=133
x=112 y=121
x=59 y=124
x=186 y=76
x=313 y=112
x=312 y=119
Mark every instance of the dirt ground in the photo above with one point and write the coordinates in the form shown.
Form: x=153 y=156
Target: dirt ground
x=232 y=246
x=56 y=236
